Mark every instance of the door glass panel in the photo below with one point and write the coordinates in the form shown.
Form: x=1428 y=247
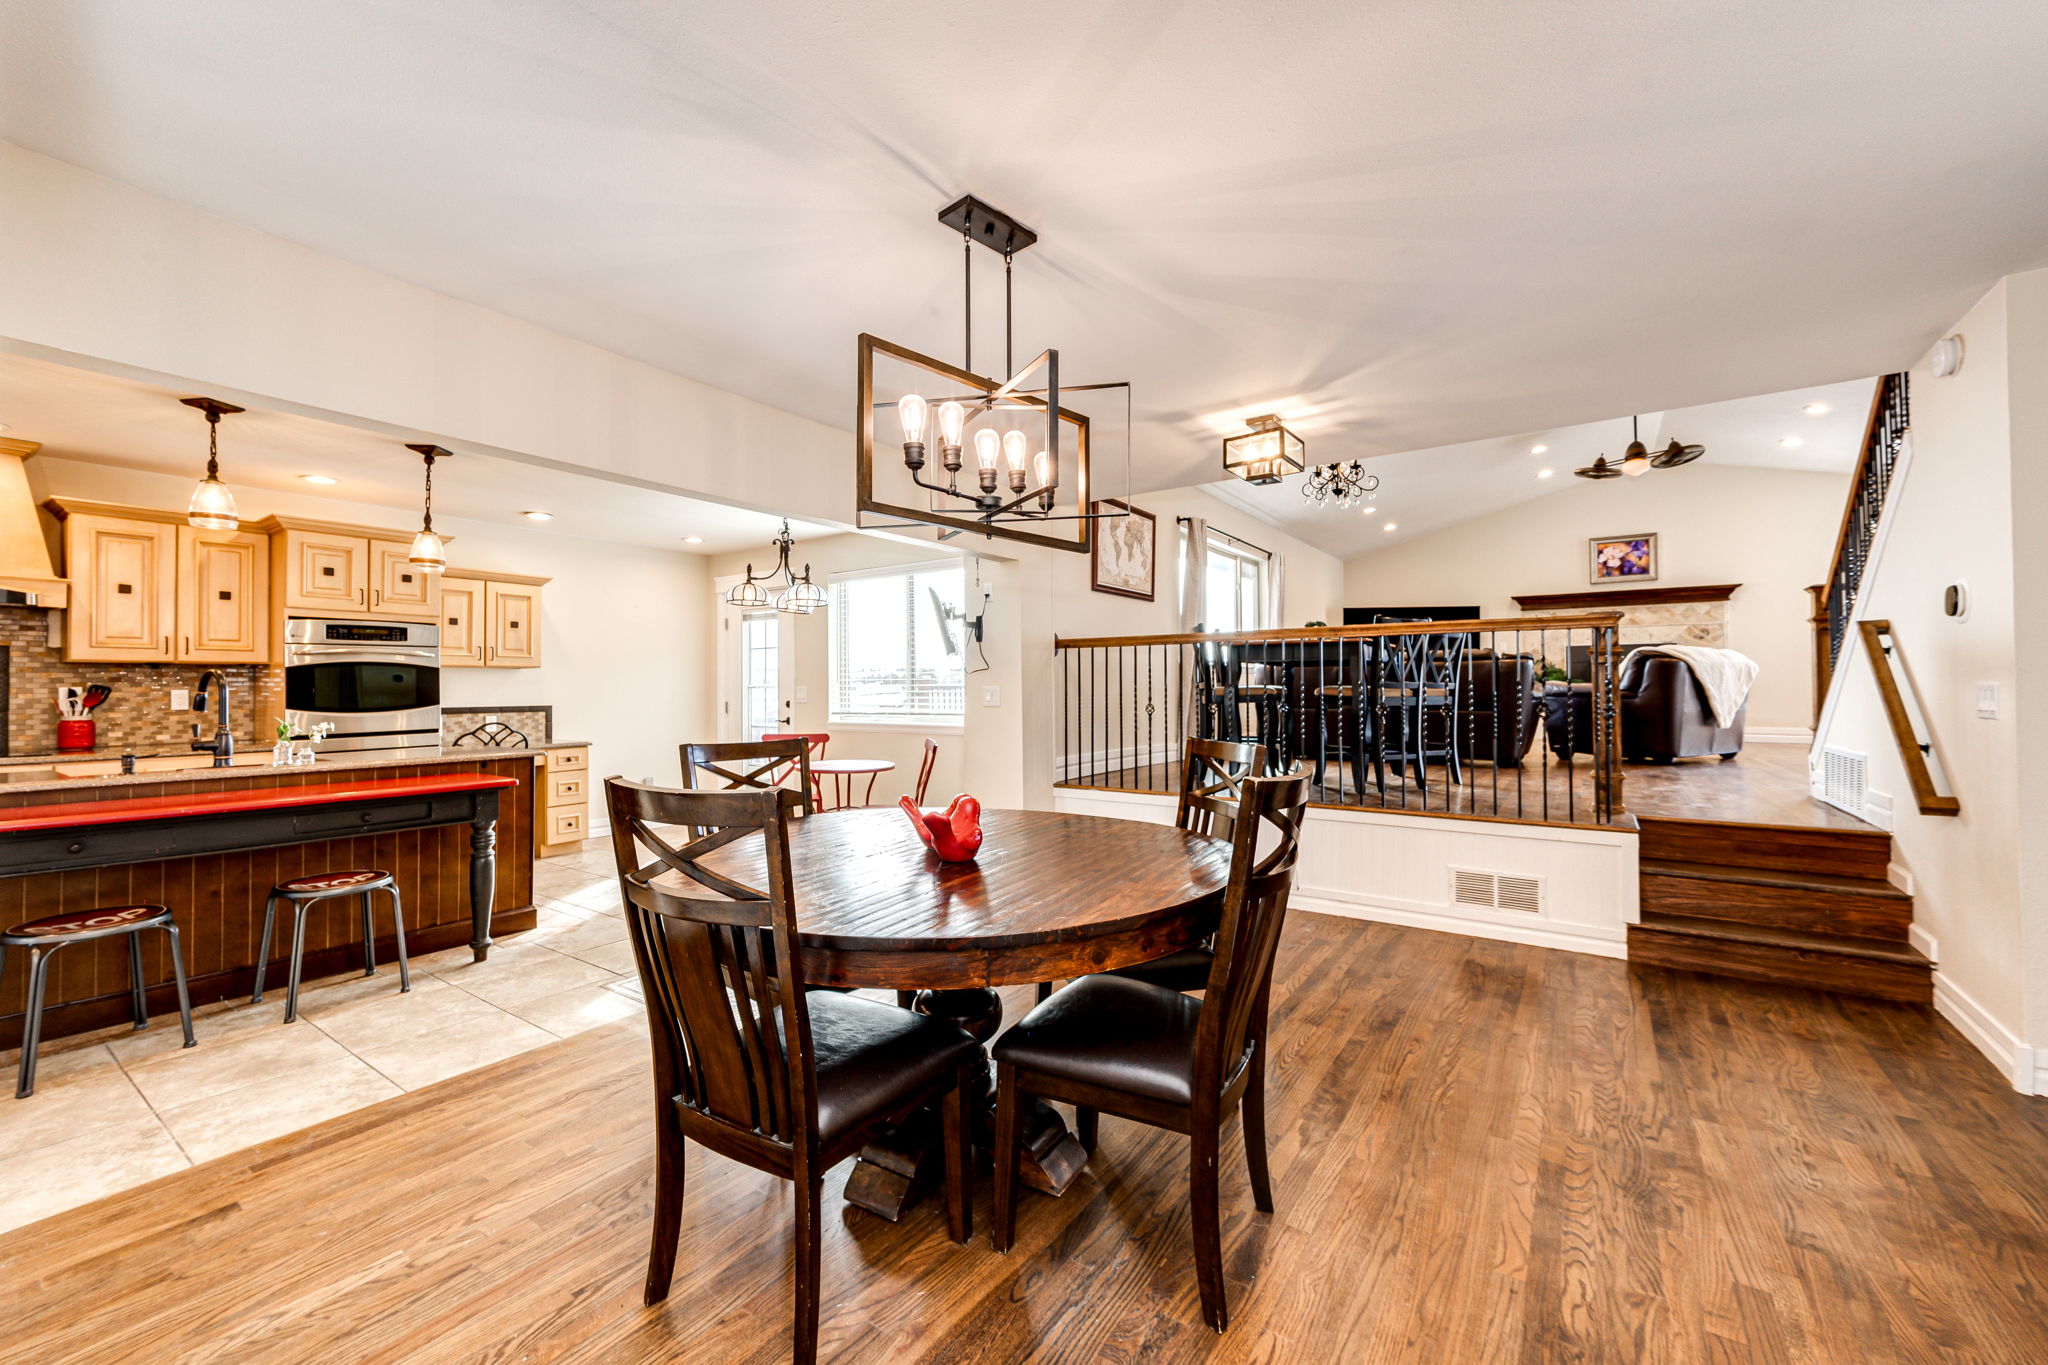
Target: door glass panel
x=760 y=660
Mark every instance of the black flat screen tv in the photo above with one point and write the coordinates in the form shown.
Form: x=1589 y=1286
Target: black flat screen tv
x=1367 y=616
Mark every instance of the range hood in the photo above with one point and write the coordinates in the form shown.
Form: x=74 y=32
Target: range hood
x=27 y=577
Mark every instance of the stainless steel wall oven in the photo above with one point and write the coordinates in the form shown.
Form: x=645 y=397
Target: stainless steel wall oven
x=378 y=683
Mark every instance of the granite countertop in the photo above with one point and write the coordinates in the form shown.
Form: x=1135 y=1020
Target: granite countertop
x=13 y=777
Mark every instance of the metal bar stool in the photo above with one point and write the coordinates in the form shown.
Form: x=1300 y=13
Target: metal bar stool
x=43 y=937
x=305 y=892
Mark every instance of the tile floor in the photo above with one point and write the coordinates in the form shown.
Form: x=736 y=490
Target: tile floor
x=117 y=1108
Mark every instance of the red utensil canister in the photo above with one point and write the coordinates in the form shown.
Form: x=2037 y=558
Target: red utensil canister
x=77 y=734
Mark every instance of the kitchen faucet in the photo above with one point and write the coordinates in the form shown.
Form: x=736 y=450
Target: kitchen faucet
x=222 y=745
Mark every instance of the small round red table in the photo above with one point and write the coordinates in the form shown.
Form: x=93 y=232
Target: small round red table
x=843 y=772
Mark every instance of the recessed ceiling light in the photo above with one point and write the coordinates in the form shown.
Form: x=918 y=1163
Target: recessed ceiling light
x=316 y=478
x=1538 y=450
x=5 y=427
x=693 y=540
x=1815 y=409
x=1543 y=473
x=1790 y=441
x=1388 y=527
x=538 y=516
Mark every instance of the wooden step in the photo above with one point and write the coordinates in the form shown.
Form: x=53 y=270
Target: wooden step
x=1770 y=898
x=1789 y=957
x=1786 y=848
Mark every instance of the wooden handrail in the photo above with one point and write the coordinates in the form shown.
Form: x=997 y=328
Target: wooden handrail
x=1856 y=480
x=1527 y=625
x=1930 y=800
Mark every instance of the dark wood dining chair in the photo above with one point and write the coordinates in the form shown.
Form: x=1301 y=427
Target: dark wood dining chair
x=746 y=1061
x=1156 y=1056
x=765 y=764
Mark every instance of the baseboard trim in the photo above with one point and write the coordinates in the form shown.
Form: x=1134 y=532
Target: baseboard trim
x=1777 y=734
x=1572 y=938
x=2018 y=1063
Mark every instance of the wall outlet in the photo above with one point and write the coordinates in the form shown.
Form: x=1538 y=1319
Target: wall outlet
x=803 y=696
x=181 y=699
x=1987 y=700
x=992 y=695
x=489 y=719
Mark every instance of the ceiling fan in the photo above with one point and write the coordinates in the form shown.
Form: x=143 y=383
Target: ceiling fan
x=1637 y=459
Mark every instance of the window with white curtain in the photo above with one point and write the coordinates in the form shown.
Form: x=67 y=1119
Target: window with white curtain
x=1234 y=590
x=895 y=658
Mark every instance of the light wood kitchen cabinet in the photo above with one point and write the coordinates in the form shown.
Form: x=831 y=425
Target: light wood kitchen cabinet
x=124 y=598
x=512 y=612
x=561 y=801
x=490 y=620
x=397 y=586
x=223 y=587
x=462 y=625
x=323 y=572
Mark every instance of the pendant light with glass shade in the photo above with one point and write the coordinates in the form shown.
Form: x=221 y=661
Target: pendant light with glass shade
x=428 y=554
x=799 y=595
x=212 y=507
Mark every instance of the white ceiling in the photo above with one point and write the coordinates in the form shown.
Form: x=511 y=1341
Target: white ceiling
x=1420 y=225
x=105 y=419
x=1426 y=490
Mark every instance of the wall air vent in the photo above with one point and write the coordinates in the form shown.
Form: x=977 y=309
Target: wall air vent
x=1843 y=779
x=1496 y=890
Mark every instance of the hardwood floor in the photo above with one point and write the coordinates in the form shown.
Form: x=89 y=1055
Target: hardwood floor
x=1765 y=785
x=1482 y=1152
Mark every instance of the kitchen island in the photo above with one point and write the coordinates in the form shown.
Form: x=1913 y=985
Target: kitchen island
x=210 y=843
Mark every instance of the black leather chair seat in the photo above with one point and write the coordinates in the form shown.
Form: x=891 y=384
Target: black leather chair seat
x=872 y=1057
x=1112 y=1032
x=1186 y=970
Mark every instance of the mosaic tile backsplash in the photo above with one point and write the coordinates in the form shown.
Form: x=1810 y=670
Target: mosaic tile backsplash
x=138 y=715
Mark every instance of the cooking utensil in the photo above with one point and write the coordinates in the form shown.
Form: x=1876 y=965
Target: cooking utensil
x=96 y=694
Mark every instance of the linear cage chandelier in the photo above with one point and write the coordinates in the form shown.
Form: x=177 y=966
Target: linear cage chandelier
x=968 y=453
x=798 y=595
x=1344 y=484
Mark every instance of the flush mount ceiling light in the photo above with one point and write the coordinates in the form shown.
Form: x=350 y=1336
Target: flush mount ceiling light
x=1024 y=486
x=1948 y=356
x=322 y=479
x=799 y=596
x=1637 y=459
x=1266 y=453
x=428 y=554
x=212 y=507
x=1345 y=485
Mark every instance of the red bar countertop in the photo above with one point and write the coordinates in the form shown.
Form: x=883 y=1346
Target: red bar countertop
x=115 y=812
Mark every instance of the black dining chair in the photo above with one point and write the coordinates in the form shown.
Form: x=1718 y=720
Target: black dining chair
x=764 y=763
x=1421 y=695
x=746 y=1061
x=1156 y=1056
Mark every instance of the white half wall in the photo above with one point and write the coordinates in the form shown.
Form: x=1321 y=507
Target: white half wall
x=1397 y=868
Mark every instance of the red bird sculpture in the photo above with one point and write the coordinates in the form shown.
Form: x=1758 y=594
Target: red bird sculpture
x=953 y=833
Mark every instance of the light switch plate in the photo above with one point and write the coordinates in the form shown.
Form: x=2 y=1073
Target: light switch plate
x=803 y=696
x=992 y=695
x=181 y=699
x=1987 y=701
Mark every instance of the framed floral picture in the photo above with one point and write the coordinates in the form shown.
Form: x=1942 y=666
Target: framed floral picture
x=1623 y=559
x=1124 y=550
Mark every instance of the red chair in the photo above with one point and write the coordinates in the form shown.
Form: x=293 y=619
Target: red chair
x=924 y=772
x=817 y=745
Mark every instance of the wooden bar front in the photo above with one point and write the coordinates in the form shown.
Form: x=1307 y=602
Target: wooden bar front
x=218 y=898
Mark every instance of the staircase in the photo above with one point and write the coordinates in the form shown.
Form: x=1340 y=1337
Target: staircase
x=1797 y=906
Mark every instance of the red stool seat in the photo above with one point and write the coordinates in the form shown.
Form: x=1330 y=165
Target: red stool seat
x=331 y=881
x=86 y=921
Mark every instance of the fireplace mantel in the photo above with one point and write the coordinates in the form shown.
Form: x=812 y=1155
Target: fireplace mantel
x=1623 y=598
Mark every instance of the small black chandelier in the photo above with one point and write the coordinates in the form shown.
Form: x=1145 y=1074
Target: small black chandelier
x=1345 y=484
x=799 y=595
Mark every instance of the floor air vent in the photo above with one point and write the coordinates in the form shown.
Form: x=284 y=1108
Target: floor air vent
x=1496 y=890
x=1843 y=775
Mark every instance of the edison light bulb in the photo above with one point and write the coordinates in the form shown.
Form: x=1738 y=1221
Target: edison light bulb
x=987 y=447
x=952 y=421
x=1013 y=448
x=910 y=410
x=1046 y=473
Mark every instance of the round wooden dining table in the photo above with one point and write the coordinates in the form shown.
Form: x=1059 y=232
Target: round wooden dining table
x=1050 y=896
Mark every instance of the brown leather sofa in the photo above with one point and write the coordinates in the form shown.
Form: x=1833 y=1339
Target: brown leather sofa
x=1664 y=715
x=1502 y=702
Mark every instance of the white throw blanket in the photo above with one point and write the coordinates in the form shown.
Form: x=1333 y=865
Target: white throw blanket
x=1723 y=674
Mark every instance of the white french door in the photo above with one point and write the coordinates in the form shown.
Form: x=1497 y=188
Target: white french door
x=756 y=669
